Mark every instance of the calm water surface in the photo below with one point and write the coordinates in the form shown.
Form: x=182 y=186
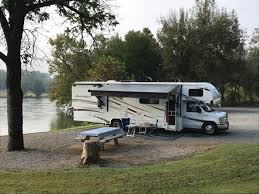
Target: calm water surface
x=39 y=115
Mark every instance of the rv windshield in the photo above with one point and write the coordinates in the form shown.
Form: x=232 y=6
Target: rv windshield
x=205 y=107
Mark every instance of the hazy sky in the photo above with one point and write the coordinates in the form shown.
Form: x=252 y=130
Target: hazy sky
x=137 y=14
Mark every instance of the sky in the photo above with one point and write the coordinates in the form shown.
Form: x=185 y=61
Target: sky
x=137 y=14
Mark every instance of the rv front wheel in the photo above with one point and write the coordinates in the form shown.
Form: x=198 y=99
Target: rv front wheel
x=209 y=128
x=116 y=123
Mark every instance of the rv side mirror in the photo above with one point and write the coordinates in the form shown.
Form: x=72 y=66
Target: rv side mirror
x=198 y=109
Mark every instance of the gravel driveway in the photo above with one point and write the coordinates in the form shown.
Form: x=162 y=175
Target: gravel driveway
x=58 y=150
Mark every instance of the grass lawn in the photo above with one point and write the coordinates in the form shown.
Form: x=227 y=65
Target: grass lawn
x=226 y=169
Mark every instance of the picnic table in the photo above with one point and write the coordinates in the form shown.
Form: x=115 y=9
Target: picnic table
x=97 y=137
x=101 y=133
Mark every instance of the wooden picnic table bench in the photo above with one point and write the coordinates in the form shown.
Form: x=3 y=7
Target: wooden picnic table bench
x=95 y=139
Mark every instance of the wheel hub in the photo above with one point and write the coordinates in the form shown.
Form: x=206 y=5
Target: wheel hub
x=209 y=129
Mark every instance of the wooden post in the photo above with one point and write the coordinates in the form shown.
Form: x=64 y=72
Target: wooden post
x=116 y=142
x=102 y=146
x=90 y=153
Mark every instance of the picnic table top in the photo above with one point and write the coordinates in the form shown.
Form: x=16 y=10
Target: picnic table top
x=100 y=132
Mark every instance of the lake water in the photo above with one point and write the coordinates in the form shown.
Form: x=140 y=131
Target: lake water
x=39 y=115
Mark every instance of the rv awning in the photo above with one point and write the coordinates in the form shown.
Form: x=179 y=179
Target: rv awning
x=135 y=90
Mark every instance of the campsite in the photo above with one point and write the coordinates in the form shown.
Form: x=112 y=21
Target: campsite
x=59 y=150
x=57 y=154
x=139 y=96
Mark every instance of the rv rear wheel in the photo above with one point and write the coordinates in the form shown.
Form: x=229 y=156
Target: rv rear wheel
x=70 y=113
x=209 y=128
x=116 y=123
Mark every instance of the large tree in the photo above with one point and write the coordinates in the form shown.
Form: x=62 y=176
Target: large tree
x=251 y=81
x=142 y=54
x=82 y=14
x=108 y=68
x=204 y=44
x=104 y=47
x=70 y=62
x=139 y=51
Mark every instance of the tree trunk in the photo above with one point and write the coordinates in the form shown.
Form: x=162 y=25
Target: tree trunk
x=90 y=153
x=251 y=96
x=222 y=91
x=13 y=79
x=238 y=94
x=14 y=105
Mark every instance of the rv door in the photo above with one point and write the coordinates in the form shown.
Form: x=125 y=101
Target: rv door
x=193 y=117
x=171 y=112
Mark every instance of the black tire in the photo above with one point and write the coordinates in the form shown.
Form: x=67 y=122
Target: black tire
x=70 y=113
x=209 y=128
x=116 y=123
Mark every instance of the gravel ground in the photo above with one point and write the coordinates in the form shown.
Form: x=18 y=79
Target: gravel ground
x=43 y=151
x=58 y=150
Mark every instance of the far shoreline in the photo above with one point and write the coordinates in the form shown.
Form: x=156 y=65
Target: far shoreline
x=28 y=97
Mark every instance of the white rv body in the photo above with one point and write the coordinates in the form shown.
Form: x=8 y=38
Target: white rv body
x=168 y=105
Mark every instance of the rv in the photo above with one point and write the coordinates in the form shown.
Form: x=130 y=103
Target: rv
x=169 y=105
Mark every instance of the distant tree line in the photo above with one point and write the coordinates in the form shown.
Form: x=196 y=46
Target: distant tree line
x=2 y=80
x=205 y=43
x=34 y=81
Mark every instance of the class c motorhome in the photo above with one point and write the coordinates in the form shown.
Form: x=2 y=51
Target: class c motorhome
x=169 y=105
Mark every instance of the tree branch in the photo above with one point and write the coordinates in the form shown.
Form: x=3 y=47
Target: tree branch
x=4 y=24
x=33 y=7
x=74 y=10
x=3 y=57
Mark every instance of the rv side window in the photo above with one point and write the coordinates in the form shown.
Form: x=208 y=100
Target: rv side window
x=191 y=107
x=196 y=92
x=149 y=101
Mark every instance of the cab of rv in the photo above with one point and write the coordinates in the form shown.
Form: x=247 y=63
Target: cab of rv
x=196 y=112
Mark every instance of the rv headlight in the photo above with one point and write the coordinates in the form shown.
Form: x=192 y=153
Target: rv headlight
x=221 y=120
